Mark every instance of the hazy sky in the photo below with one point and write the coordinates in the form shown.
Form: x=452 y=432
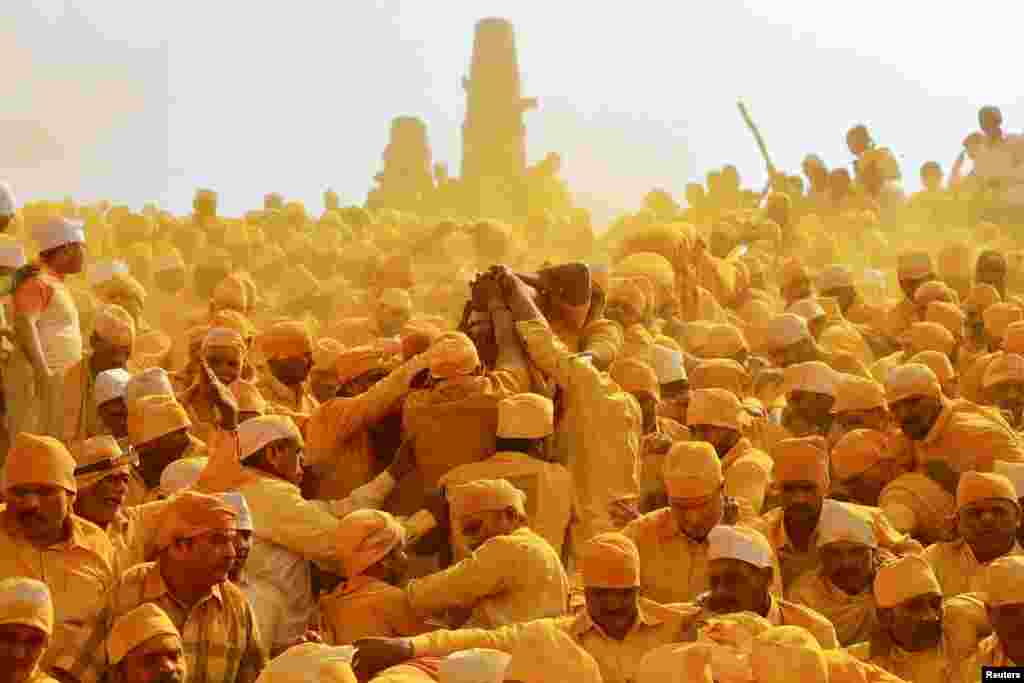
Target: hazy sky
x=147 y=100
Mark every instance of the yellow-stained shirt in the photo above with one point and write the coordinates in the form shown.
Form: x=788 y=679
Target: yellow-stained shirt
x=283 y=400
x=796 y=563
x=673 y=567
x=548 y=489
x=219 y=633
x=967 y=437
x=917 y=506
x=338 y=445
x=367 y=608
x=598 y=434
x=780 y=613
x=510 y=578
x=81 y=421
x=132 y=534
x=955 y=566
x=78 y=571
x=618 y=660
x=853 y=616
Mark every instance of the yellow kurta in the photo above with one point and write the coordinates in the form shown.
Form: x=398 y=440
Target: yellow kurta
x=337 y=438
x=598 y=434
x=548 y=489
x=795 y=563
x=673 y=567
x=618 y=659
x=78 y=571
x=81 y=420
x=853 y=616
x=367 y=608
x=511 y=578
x=916 y=505
x=955 y=566
x=283 y=400
x=967 y=437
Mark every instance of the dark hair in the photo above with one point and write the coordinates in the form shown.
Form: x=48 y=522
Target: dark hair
x=514 y=445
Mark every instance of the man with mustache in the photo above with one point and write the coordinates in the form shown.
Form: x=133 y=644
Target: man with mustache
x=26 y=625
x=617 y=628
x=841 y=588
x=950 y=436
x=915 y=637
x=144 y=646
x=802 y=474
x=672 y=541
x=41 y=537
x=102 y=474
x=988 y=515
x=512 y=574
x=195 y=551
x=741 y=576
x=243 y=536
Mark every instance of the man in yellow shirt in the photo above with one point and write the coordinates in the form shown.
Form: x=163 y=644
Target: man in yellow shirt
x=288 y=348
x=672 y=541
x=42 y=538
x=512 y=575
x=916 y=638
x=26 y=625
x=1003 y=591
x=144 y=646
x=102 y=474
x=841 y=588
x=195 y=550
x=950 y=436
x=802 y=472
x=988 y=515
x=371 y=547
x=617 y=628
x=158 y=429
x=598 y=433
x=525 y=425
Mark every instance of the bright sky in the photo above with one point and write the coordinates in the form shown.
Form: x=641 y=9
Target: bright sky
x=147 y=100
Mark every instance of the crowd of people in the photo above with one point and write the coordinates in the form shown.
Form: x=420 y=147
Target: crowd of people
x=750 y=437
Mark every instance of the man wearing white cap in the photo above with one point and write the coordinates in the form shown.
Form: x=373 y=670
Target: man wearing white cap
x=47 y=318
x=108 y=399
x=26 y=624
x=525 y=424
x=675 y=384
x=810 y=390
x=288 y=530
x=841 y=588
x=243 y=535
x=741 y=567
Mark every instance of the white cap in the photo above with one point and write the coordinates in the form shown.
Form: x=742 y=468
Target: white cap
x=151 y=382
x=255 y=434
x=243 y=521
x=667 y=364
x=739 y=543
x=102 y=271
x=58 y=231
x=1014 y=471
x=839 y=522
x=475 y=666
x=12 y=253
x=110 y=384
x=8 y=202
x=181 y=474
